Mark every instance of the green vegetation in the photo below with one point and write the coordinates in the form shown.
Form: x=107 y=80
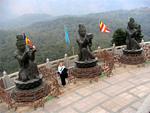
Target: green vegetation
x=48 y=36
x=119 y=37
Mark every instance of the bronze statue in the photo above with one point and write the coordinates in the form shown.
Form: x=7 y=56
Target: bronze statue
x=84 y=42
x=25 y=57
x=134 y=35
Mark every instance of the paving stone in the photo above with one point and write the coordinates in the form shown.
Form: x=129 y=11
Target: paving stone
x=129 y=110
x=117 y=88
x=40 y=111
x=61 y=102
x=111 y=106
x=119 y=102
x=92 y=88
x=98 y=110
x=147 y=84
x=68 y=110
x=136 y=105
x=145 y=107
x=3 y=107
x=118 y=78
x=90 y=101
x=113 y=90
x=124 y=99
x=140 y=91
x=139 y=80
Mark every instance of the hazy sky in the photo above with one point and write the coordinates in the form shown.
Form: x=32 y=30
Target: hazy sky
x=11 y=8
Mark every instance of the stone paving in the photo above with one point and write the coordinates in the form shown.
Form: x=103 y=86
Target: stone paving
x=124 y=92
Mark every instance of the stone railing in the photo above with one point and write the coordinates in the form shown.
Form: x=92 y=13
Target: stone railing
x=69 y=61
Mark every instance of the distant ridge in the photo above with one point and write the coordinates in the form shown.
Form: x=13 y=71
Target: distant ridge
x=47 y=33
x=25 y=20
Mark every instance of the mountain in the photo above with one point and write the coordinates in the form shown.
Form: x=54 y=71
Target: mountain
x=48 y=35
x=24 y=20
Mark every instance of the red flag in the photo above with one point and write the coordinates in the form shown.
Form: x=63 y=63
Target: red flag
x=103 y=27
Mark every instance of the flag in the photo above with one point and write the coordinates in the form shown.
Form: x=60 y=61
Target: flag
x=103 y=27
x=28 y=42
x=67 y=36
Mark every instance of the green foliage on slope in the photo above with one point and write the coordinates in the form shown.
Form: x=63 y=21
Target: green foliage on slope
x=48 y=36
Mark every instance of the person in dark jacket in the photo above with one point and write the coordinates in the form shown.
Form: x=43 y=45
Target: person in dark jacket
x=62 y=71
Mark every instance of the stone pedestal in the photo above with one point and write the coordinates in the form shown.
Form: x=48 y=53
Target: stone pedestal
x=86 y=69
x=86 y=64
x=132 y=57
x=31 y=95
x=87 y=72
x=30 y=91
x=29 y=84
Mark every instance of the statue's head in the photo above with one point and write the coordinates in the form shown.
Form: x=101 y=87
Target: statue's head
x=82 y=30
x=20 y=43
x=131 y=20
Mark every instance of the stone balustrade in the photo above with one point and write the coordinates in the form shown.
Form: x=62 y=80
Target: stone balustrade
x=71 y=59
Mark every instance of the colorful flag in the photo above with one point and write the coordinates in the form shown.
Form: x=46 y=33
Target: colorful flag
x=28 y=42
x=67 y=36
x=103 y=27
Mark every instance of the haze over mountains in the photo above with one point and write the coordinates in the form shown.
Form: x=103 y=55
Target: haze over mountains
x=24 y=20
x=47 y=32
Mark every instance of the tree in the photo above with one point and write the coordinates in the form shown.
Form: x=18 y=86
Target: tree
x=119 y=37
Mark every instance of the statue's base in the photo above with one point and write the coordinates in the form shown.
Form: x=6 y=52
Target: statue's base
x=29 y=84
x=86 y=64
x=25 y=96
x=87 y=72
x=132 y=57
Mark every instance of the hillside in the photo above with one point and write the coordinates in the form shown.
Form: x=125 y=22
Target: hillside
x=48 y=35
x=24 y=20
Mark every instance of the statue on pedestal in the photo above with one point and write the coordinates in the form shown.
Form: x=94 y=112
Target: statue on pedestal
x=84 y=42
x=134 y=35
x=86 y=65
x=30 y=86
x=133 y=53
x=28 y=73
x=85 y=57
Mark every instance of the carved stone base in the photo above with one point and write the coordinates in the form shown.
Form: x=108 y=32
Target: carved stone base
x=86 y=64
x=132 y=57
x=87 y=72
x=29 y=84
x=25 y=96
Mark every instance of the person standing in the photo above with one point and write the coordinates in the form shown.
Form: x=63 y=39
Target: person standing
x=62 y=71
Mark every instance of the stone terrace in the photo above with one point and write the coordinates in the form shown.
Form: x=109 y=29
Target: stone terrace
x=123 y=92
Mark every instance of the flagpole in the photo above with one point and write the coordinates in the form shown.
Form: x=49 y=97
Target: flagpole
x=73 y=44
x=73 y=50
x=65 y=40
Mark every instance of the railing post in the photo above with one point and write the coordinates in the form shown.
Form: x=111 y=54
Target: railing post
x=2 y=84
x=48 y=64
x=99 y=50
x=4 y=80
x=8 y=82
x=66 y=61
x=142 y=43
x=4 y=73
x=113 y=48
